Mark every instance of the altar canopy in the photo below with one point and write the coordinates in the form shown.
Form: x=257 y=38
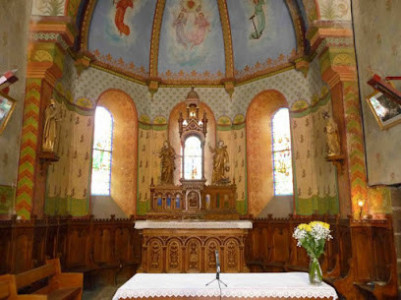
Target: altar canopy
x=291 y=285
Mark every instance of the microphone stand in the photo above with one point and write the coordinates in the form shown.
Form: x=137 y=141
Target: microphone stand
x=217 y=271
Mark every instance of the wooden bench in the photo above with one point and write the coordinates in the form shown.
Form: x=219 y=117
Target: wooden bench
x=6 y=286
x=46 y=282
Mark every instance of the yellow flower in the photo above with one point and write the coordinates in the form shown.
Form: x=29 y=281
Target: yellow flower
x=323 y=224
x=305 y=227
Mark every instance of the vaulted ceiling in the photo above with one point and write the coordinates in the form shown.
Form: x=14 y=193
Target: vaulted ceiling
x=193 y=41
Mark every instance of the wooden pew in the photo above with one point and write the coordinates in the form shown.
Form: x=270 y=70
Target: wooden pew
x=47 y=282
x=7 y=286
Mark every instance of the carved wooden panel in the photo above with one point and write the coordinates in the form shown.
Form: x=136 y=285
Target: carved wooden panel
x=174 y=256
x=192 y=250
x=232 y=255
x=193 y=256
x=211 y=246
x=154 y=256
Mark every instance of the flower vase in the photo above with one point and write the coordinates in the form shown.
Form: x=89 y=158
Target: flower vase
x=315 y=271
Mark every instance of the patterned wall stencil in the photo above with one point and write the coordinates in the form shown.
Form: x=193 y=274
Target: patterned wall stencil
x=316 y=190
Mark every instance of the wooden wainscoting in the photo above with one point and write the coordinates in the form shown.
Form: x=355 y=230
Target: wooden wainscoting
x=102 y=249
x=359 y=262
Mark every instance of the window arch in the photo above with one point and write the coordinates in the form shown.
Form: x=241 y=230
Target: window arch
x=102 y=152
x=281 y=153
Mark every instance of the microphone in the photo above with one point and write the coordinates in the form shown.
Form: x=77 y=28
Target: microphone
x=216 y=253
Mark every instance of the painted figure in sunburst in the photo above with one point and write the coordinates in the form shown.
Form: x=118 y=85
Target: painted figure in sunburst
x=191 y=24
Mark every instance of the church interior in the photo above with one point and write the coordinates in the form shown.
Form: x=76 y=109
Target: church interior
x=146 y=136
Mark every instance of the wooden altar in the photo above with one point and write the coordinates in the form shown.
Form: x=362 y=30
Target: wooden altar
x=189 y=246
x=188 y=222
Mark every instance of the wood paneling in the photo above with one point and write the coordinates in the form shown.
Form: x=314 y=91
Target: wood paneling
x=192 y=250
x=359 y=261
x=101 y=249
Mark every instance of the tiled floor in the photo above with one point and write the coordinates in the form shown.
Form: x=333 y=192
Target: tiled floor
x=101 y=293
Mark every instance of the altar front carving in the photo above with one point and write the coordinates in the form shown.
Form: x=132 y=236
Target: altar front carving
x=188 y=246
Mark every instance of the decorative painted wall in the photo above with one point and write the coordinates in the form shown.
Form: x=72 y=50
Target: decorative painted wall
x=334 y=9
x=48 y=7
x=316 y=188
x=14 y=20
x=68 y=186
x=374 y=30
x=304 y=95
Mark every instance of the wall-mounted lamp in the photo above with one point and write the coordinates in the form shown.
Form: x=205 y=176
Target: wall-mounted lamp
x=360 y=204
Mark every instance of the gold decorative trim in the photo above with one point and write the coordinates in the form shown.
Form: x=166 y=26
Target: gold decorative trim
x=228 y=47
x=154 y=43
x=86 y=24
x=299 y=32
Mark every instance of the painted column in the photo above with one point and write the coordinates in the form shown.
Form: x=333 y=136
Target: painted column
x=335 y=49
x=46 y=51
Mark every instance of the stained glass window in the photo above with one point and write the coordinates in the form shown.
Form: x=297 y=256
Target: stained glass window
x=193 y=158
x=282 y=158
x=101 y=156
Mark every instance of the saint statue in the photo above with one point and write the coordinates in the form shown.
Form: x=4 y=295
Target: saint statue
x=50 y=127
x=167 y=156
x=333 y=140
x=220 y=163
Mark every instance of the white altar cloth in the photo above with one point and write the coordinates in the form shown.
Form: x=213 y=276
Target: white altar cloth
x=239 y=285
x=149 y=224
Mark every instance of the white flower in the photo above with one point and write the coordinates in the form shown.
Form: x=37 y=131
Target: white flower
x=320 y=233
x=299 y=234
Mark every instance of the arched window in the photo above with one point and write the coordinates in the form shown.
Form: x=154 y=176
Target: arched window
x=281 y=152
x=193 y=158
x=101 y=156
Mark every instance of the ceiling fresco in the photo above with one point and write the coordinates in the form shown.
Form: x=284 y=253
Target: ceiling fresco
x=120 y=34
x=263 y=35
x=192 y=41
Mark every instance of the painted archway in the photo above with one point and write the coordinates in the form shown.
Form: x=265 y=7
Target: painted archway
x=261 y=200
x=125 y=151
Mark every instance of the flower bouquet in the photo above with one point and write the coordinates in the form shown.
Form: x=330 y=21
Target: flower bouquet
x=313 y=237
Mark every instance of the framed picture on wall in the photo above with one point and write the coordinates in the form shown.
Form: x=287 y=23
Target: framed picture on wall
x=7 y=105
x=386 y=111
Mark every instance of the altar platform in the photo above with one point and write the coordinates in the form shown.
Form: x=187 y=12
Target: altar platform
x=291 y=285
x=189 y=246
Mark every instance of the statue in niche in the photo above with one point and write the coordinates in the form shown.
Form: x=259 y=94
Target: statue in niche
x=167 y=156
x=50 y=127
x=333 y=140
x=220 y=163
